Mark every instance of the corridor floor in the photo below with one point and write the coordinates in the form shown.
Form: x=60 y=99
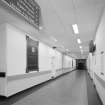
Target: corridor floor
x=70 y=89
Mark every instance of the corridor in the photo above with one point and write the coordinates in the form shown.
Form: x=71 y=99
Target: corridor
x=45 y=47
x=69 y=89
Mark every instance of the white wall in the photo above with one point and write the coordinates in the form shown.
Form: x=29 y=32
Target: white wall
x=13 y=43
x=67 y=63
x=100 y=43
x=55 y=59
x=3 y=48
x=44 y=57
x=92 y=64
x=49 y=58
x=13 y=48
x=97 y=60
x=13 y=61
x=73 y=62
x=16 y=51
x=58 y=60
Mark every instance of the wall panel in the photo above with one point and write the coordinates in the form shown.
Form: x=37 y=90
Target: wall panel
x=16 y=51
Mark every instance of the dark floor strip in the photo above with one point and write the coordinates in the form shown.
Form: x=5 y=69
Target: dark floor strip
x=93 y=97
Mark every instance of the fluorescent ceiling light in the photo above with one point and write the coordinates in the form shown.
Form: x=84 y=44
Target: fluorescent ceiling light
x=80 y=47
x=79 y=41
x=75 y=28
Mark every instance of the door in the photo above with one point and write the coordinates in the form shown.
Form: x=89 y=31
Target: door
x=32 y=55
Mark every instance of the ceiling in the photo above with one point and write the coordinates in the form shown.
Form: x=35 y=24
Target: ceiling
x=58 y=16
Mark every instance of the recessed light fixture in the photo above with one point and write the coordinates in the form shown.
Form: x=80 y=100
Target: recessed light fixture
x=80 y=47
x=40 y=27
x=79 y=41
x=75 y=28
x=67 y=49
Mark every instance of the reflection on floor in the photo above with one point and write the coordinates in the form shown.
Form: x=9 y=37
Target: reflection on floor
x=70 y=89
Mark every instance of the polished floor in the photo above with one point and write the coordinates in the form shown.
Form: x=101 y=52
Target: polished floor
x=74 y=88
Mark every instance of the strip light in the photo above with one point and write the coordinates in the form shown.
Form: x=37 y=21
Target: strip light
x=75 y=28
x=79 y=41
